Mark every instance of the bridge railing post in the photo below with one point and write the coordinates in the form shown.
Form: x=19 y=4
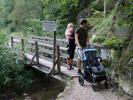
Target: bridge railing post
x=54 y=51
x=22 y=49
x=22 y=43
x=12 y=42
x=37 y=52
x=58 y=60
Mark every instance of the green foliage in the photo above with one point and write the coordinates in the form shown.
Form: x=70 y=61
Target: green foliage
x=106 y=63
x=23 y=12
x=117 y=21
x=2 y=40
x=63 y=11
x=98 y=38
x=24 y=16
x=6 y=6
x=97 y=5
x=34 y=27
x=12 y=73
x=116 y=43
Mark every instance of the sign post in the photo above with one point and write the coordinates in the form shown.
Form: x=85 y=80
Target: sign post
x=50 y=26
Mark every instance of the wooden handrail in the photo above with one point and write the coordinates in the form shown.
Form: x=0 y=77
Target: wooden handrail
x=45 y=39
x=44 y=49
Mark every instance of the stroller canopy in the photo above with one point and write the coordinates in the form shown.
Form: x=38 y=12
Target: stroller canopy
x=87 y=53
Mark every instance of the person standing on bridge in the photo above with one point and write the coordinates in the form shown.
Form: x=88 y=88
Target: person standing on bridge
x=82 y=39
x=70 y=38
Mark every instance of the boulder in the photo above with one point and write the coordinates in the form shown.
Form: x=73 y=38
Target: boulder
x=126 y=70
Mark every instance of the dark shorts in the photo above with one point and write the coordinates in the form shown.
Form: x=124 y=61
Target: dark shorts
x=71 y=49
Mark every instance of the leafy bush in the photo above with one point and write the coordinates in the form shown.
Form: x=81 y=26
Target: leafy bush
x=12 y=72
x=34 y=26
x=98 y=38
x=116 y=43
x=2 y=23
x=106 y=63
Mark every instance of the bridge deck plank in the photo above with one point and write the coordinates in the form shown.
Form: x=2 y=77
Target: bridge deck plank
x=47 y=63
x=41 y=61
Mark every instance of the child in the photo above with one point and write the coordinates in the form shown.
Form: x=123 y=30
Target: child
x=70 y=38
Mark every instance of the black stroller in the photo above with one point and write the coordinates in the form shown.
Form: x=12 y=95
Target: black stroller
x=94 y=72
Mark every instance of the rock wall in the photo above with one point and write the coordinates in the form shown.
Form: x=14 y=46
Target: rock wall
x=126 y=70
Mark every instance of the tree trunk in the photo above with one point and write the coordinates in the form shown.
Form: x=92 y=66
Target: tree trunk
x=105 y=8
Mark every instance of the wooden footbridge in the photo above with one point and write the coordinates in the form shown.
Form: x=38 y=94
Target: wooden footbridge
x=45 y=54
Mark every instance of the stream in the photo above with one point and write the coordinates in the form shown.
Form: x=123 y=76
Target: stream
x=43 y=88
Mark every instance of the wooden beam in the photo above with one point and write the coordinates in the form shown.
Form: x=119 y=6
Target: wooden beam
x=12 y=42
x=32 y=59
x=37 y=52
x=58 y=59
x=47 y=66
x=22 y=49
x=22 y=42
x=54 y=50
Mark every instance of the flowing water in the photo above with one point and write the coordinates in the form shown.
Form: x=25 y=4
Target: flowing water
x=43 y=88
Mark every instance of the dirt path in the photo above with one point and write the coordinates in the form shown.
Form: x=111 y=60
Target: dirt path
x=76 y=92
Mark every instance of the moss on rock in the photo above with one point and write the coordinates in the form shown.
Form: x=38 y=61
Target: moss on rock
x=126 y=69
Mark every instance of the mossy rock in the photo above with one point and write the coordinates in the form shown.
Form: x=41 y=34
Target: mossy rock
x=126 y=70
x=126 y=61
x=127 y=84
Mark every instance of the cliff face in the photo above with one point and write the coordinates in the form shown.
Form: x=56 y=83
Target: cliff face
x=83 y=14
x=126 y=70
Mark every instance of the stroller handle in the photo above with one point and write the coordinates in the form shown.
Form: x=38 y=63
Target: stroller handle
x=81 y=56
x=80 y=53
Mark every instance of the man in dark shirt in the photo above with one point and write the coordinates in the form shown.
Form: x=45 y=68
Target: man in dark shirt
x=81 y=37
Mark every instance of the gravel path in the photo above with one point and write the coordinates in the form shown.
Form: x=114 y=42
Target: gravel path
x=76 y=92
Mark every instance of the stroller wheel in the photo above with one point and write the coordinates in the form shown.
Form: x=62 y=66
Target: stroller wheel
x=106 y=84
x=81 y=80
x=88 y=78
x=94 y=87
